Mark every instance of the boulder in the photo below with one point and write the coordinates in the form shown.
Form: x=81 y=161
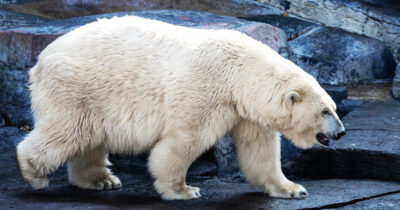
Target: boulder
x=203 y=168
x=333 y=56
x=373 y=18
x=396 y=83
x=20 y=46
x=338 y=93
x=336 y=57
x=348 y=105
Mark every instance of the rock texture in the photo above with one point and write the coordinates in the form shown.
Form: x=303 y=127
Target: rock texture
x=293 y=27
x=59 y=9
x=9 y=19
x=371 y=148
x=9 y=138
x=337 y=57
x=337 y=93
x=377 y=19
x=20 y=46
x=225 y=156
x=348 y=105
x=2 y=121
x=396 y=83
x=14 y=97
x=333 y=56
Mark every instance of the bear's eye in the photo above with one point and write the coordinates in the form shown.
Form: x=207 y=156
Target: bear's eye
x=325 y=112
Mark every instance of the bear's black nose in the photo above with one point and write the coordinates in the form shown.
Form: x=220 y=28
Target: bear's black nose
x=340 y=134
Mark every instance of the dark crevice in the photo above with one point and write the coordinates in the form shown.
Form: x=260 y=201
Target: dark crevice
x=361 y=129
x=338 y=205
x=7 y=120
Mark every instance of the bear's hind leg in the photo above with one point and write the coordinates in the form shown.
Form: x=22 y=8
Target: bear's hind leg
x=259 y=159
x=38 y=155
x=168 y=163
x=89 y=171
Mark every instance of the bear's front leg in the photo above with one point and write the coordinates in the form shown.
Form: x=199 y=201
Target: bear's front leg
x=258 y=151
x=168 y=163
x=89 y=171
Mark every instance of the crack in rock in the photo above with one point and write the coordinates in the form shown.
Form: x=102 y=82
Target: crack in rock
x=342 y=204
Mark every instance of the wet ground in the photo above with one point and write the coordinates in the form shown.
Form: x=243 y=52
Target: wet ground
x=137 y=192
x=370 y=150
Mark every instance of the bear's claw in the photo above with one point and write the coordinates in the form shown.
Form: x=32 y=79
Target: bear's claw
x=110 y=183
x=288 y=190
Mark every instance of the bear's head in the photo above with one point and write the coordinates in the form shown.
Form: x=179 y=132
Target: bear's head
x=310 y=112
x=279 y=95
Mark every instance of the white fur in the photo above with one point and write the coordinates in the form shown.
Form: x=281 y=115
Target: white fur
x=130 y=85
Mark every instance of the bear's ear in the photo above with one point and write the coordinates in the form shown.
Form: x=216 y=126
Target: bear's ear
x=292 y=97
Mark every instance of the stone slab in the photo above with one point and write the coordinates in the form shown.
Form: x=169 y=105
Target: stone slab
x=371 y=148
x=348 y=105
x=374 y=116
x=387 y=202
x=138 y=192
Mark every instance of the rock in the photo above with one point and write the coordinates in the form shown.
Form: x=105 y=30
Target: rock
x=14 y=97
x=59 y=9
x=348 y=105
x=288 y=151
x=138 y=192
x=9 y=138
x=9 y=20
x=20 y=46
x=293 y=27
x=366 y=17
x=2 y=121
x=331 y=55
x=370 y=150
x=336 y=57
x=202 y=168
x=388 y=201
x=374 y=116
x=226 y=158
x=130 y=163
x=396 y=83
x=338 y=93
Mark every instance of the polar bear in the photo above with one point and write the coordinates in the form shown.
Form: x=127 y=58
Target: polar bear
x=132 y=85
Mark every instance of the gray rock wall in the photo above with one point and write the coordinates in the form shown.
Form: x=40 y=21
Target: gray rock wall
x=375 y=19
x=334 y=56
